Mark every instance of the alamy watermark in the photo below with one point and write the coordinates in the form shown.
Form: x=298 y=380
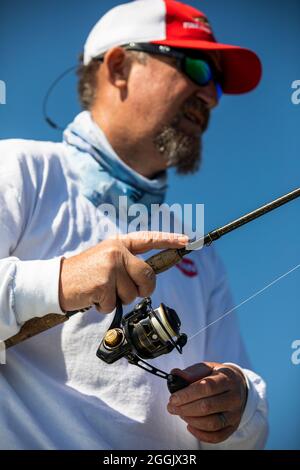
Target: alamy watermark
x=296 y=94
x=295 y=357
x=123 y=218
x=2 y=92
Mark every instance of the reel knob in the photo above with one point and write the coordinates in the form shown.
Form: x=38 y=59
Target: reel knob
x=113 y=338
x=175 y=383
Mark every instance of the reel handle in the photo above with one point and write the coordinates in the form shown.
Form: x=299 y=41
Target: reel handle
x=175 y=383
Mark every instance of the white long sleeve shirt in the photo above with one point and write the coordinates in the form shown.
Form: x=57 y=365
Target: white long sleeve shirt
x=55 y=393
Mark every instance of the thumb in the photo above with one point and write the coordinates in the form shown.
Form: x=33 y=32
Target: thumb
x=140 y=242
x=193 y=373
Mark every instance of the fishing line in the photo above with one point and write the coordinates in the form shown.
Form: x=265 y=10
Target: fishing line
x=244 y=302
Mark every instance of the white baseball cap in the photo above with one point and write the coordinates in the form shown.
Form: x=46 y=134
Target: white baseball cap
x=172 y=23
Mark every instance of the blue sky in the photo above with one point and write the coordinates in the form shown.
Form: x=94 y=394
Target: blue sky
x=251 y=156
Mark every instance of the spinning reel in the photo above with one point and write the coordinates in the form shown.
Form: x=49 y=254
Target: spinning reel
x=144 y=333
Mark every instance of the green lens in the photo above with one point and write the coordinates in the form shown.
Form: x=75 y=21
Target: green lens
x=198 y=70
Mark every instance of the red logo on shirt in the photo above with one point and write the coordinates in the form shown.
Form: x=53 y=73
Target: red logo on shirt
x=187 y=267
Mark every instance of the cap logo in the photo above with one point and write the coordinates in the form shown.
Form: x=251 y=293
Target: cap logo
x=200 y=22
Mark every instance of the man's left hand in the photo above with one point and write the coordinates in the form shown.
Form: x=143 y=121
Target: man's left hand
x=213 y=404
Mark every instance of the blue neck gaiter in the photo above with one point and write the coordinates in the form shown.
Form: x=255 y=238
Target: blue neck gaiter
x=104 y=177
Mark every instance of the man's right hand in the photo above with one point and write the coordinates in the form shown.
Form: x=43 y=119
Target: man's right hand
x=109 y=270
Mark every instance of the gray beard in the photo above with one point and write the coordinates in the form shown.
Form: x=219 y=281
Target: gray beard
x=180 y=150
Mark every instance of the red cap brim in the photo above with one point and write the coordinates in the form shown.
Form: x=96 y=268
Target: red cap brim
x=241 y=67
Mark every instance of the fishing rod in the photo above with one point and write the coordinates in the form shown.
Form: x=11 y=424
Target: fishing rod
x=165 y=259
x=126 y=336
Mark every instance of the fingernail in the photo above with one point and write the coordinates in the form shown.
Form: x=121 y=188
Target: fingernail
x=174 y=400
x=183 y=239
x=150 y=274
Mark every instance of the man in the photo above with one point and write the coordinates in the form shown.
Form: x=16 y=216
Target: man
x=152 y=72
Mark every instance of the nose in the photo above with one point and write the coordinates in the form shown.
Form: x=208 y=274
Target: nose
x=209 y=94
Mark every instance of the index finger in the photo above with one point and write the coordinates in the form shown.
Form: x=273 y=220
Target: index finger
x=140 y=242
x=206 y=387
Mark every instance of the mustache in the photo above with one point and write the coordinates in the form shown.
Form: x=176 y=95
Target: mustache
x=199 y=107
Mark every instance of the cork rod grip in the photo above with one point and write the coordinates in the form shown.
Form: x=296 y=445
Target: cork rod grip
x=34 y=326
x=164 y=260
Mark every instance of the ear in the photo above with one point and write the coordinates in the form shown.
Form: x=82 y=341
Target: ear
x=118 y=65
